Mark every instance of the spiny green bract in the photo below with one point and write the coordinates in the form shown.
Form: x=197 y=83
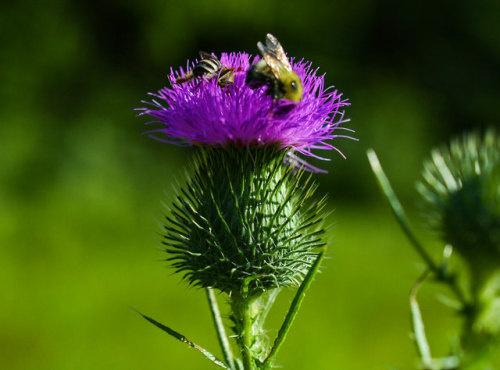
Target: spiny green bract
x=241 y=224
x=461 y=189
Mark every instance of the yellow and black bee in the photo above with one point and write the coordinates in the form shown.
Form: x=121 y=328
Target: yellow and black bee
x=209 y=67
x=275 y=72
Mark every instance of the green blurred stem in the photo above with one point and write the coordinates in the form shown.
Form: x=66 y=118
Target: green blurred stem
x=219 y=326
x=480 y=332
x=397 y=209
x=400 y=215
x=292 y=312
x=418 y=324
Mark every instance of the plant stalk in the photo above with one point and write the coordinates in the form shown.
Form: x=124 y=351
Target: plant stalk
x=219 y=326
x=242 y=318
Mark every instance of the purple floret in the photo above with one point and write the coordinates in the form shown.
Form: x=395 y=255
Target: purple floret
x=200 y=112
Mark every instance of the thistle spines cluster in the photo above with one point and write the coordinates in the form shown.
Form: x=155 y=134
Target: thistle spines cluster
x=461 y=193
x=244 y=222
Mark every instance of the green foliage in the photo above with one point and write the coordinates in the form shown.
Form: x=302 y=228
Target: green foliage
x=244 y=222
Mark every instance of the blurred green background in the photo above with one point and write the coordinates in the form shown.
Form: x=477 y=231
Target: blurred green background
x=80 y=188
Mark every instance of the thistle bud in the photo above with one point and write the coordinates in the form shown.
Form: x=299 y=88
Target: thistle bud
x=243 y=222
x=461 y=192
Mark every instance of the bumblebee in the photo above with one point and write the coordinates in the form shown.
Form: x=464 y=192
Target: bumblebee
x=275 y=72
x=209 y=67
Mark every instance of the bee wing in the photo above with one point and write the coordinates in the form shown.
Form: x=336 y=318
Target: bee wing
x=270 y=58
x=273 y=44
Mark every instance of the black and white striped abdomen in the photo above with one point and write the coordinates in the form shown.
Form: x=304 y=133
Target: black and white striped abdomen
x=209 y=67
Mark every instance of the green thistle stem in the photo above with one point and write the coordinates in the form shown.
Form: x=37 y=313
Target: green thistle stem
x=247 y=337
x=481 y=328
x=418 y=324
x=219 y=326
x=398 y=210
x=400 y=215
x=242 y=315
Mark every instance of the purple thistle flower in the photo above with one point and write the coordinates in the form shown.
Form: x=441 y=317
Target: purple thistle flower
x=201 y=112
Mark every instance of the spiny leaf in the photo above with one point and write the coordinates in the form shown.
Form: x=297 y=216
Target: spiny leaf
x=183 y=339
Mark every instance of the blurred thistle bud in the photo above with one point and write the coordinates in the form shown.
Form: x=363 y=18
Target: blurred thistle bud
x=461 y=192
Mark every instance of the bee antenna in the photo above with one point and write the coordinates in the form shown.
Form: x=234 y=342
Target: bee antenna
x=204 y=55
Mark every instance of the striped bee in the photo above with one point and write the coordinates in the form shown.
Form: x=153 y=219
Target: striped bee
x=209 y=67
x=275 y=72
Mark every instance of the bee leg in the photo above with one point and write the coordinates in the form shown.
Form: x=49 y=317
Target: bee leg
x=227 y=90
x=224 y=84
x=271 y=111
x=178 y=80
x=182 y=79
x=197 y=85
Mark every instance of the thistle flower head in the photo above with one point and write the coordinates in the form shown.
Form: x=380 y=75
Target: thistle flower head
x=202 y=111
x=461 y=192
x=244 y=222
